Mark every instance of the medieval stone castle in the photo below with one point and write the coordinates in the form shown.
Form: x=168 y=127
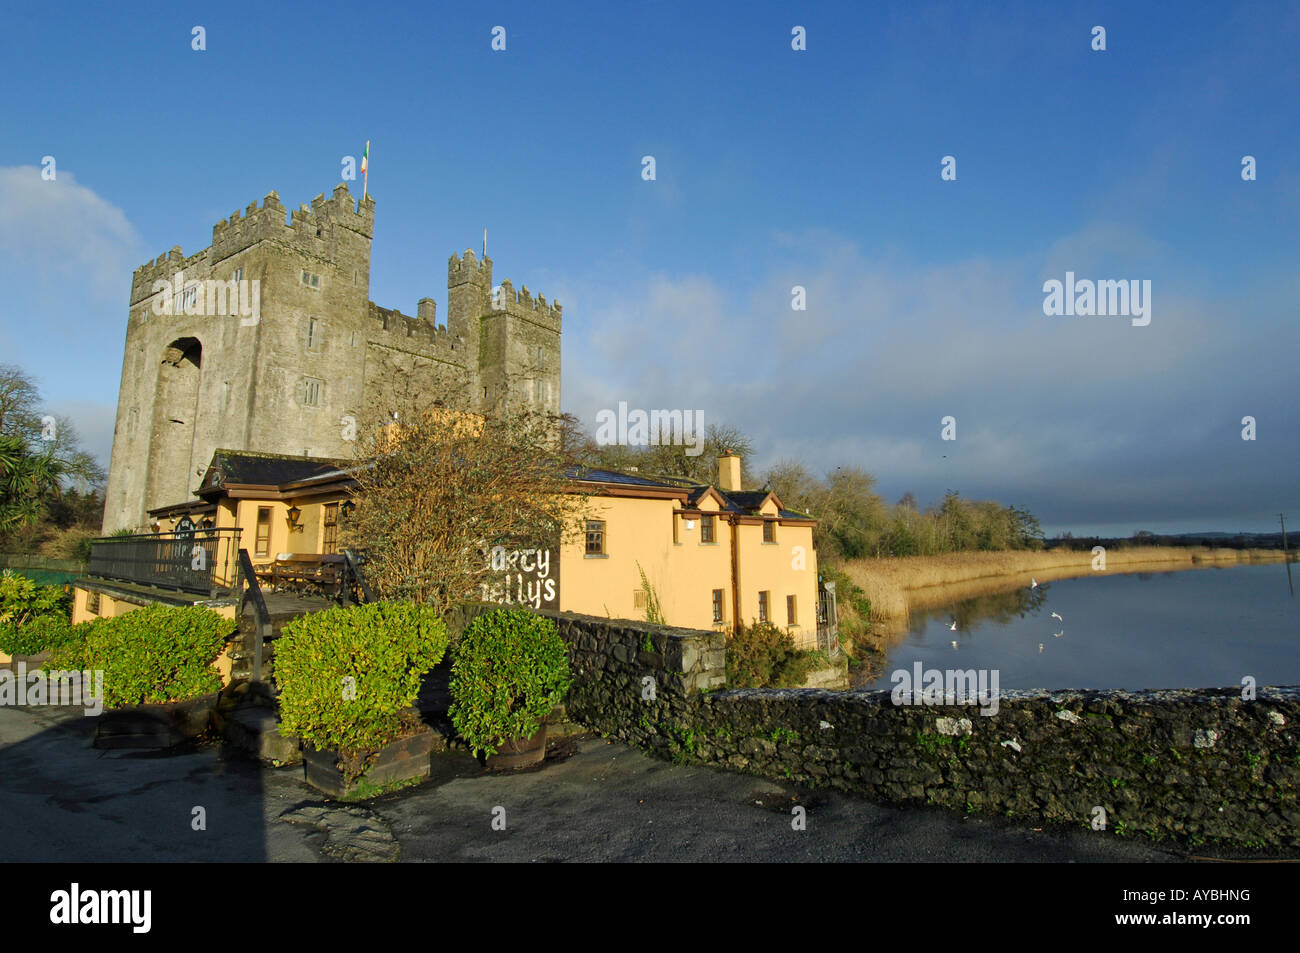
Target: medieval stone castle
x=312 y=355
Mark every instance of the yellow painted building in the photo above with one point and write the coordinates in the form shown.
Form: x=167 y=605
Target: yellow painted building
x=711 y=555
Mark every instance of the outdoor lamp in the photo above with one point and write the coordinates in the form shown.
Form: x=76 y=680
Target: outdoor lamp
x=347 y=508
x=294 y=513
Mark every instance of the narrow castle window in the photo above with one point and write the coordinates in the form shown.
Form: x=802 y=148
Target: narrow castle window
x=311 y=391
x=313 y=335
x=239 y=274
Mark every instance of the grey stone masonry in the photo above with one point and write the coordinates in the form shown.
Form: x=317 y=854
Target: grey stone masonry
x=208 y=372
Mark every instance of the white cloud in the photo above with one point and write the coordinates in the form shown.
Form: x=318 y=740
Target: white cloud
x=59 y=231
x=1072 y=408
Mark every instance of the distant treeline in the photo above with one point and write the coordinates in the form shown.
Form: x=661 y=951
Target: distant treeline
x=1144 y=538
x=853 y=521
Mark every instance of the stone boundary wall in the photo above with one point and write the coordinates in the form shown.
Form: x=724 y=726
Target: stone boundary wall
x=1191 y=766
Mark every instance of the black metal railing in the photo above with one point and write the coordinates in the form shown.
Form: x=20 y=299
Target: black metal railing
x=252 y=605
x=828 y=620
x=204 y=561
x=353 y=586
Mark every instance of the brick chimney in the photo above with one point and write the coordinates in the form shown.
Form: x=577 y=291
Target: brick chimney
x=728 y=471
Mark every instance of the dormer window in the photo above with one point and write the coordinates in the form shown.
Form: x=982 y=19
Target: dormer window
x=706 y=529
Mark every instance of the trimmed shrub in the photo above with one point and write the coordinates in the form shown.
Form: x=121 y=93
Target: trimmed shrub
x=22 y=600
x=150 y=655
x=511 y=670
x=762 y=655
x=347 y=675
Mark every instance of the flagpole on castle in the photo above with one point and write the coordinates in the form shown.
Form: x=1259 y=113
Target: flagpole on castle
x=365 y=172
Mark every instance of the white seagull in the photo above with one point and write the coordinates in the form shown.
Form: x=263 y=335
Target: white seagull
x=1057 y=617
x=1057 y=635
x=953 y=627
x=1033 y=583
x=1040 y=646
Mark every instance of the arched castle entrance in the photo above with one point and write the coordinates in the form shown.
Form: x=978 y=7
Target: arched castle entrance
x=175 y=412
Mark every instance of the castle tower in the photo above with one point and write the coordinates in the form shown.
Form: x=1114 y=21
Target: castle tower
x=267 y=341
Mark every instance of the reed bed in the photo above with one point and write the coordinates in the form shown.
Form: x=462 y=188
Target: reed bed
x=895 y=585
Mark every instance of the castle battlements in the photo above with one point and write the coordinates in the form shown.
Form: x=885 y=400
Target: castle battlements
x=421 y=328
x=311 y=229
x=522 y=304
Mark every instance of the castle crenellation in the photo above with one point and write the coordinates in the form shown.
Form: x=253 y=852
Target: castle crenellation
x=320 y=350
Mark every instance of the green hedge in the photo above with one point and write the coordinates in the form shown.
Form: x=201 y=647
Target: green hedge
x=149 y=655
x=38 y=634
x=384 y=648
x=511 y=670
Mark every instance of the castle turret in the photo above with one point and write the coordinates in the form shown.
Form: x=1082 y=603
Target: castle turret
x=469 y=296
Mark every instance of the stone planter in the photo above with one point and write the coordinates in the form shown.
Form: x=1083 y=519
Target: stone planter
x=163 y=725
x=519 y=752
x=405 y=759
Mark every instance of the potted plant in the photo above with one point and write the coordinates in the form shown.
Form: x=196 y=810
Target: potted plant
x=159 y=682
x=348 y=679
x=511 y=670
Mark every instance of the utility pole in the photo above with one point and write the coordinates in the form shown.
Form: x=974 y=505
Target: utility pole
x=1282 y=517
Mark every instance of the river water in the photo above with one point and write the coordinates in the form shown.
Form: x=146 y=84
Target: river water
x=1193 y=629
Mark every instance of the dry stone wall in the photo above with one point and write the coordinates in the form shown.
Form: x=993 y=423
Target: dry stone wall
x=1190 y=766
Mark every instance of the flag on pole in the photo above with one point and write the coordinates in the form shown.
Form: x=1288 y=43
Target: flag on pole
x=365 y=170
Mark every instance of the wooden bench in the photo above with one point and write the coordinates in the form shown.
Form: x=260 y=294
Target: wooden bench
x=307 y=571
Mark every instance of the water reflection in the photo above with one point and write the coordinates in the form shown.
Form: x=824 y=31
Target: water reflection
x=1191 y=629
x=970 y=614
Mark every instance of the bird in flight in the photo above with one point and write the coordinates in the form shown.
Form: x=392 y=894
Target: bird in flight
x=1057 y=616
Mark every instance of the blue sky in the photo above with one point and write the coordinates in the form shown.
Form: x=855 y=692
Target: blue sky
x=775 y=168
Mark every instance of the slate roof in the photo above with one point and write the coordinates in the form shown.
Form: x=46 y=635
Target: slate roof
x=265 y=469
x=595 y=475
x=268 y=469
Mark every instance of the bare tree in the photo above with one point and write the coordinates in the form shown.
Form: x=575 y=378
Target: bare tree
x=438 y=488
